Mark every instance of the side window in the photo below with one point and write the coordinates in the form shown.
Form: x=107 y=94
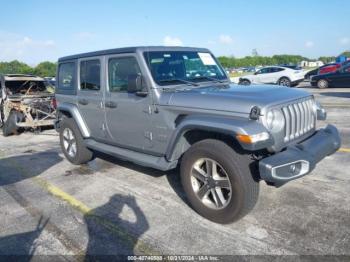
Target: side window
x=90 y=75
x=119 y=70
x=66 y=76
x=265 y=71
x=276 y=69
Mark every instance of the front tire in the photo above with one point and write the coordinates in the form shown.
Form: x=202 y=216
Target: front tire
x=72 y=143
x=218 y=181
x=245 y=82
x=322 y=84
x=10 y=125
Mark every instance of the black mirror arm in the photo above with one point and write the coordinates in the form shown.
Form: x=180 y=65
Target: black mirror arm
x=143 y=93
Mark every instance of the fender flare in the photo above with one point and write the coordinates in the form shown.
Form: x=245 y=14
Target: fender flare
x=223 y=125
x=74 y=112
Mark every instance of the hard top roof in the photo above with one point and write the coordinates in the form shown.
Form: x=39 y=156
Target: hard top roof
x=132 y=50
x=21 y=77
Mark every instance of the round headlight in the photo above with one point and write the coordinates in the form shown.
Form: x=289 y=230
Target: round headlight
x=275 y=120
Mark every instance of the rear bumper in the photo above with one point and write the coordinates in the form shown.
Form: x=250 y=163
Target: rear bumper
x=297 y=82
x=299 y=160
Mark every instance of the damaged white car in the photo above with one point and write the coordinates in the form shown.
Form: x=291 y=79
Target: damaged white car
x=26 y=102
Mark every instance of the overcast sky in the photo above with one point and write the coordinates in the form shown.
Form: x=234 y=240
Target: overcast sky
x=34 y=31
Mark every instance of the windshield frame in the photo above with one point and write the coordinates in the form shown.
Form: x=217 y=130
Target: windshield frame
x=204 y=80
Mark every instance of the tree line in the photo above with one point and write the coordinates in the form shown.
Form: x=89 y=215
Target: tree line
x=256 y=60
x=16 y=67
x=49 y=69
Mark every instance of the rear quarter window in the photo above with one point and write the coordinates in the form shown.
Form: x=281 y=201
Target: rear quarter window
x=67 y=79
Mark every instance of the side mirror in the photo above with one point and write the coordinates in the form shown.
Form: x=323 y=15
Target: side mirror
x=135 y=85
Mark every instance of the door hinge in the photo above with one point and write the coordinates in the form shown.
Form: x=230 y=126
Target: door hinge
x=149 y=135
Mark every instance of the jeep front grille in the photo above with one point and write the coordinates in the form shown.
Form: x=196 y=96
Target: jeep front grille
x=300 y=119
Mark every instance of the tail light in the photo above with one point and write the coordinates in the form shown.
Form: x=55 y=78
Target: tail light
x=54 y=103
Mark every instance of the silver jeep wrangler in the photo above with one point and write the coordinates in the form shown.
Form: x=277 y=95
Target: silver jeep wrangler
x=164 y=107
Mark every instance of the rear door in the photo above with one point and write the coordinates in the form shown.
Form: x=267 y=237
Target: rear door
x=128 y=116
x=90 y=95
x=276 y=74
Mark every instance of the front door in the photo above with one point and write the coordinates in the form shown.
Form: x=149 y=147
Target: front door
x=264 y=76
x=128 y=116
x=90 y=96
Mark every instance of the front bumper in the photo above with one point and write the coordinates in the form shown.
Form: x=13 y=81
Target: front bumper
x=299 y=160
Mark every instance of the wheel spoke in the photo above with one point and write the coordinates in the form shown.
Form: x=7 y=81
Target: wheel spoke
x=211 y=167
x=216 y=198
x=221 y=195
x=69 y=148
x=199 y=174
x=222 y=183
x=203 y=191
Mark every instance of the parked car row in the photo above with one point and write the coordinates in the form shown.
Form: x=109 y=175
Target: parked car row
x=339 y=78
x=274 y=75
x=329 y=75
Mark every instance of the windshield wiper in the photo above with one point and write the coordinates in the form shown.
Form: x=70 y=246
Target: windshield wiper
x=179 y=80
x=209 y=78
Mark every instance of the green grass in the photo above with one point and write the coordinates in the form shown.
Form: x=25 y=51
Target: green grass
x=240 y=74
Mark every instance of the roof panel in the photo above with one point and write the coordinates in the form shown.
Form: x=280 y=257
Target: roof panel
x=131 y=50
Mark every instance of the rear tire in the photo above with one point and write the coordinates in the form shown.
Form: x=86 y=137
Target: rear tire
x=322 y=84
x=229 y=190
x=72 y=143
x=285 y=81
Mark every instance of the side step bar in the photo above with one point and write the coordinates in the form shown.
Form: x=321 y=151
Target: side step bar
x=155 y=162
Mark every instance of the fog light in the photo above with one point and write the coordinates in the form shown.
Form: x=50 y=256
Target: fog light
x=291 y=170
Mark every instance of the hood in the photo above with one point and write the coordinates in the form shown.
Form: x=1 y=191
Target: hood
x=232 y=98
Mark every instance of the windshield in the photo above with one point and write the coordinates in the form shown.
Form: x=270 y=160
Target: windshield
x=181 y=67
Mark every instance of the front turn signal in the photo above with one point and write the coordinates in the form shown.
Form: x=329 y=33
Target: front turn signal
x=251 y=139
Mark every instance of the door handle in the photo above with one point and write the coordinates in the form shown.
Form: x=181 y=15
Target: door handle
x=110 y=104
x=83 y=102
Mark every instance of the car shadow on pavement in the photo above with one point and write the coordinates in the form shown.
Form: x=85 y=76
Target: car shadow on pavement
x=115 y=228
x=22 y=244
x=173 y=176
x=14 y=169
x=336 y=94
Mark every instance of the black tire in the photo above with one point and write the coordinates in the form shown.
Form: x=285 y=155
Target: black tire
x=322 y=84
x=82 y=153
x=10 y=125
x=1 y=115
x=240 y=171
x=285 y=81
x=245 y=82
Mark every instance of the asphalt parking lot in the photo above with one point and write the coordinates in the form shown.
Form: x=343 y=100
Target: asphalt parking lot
x=50 y=207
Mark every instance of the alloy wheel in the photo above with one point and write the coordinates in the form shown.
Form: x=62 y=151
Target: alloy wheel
x=284 y=82
x=211 y=183
x=69 y=142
